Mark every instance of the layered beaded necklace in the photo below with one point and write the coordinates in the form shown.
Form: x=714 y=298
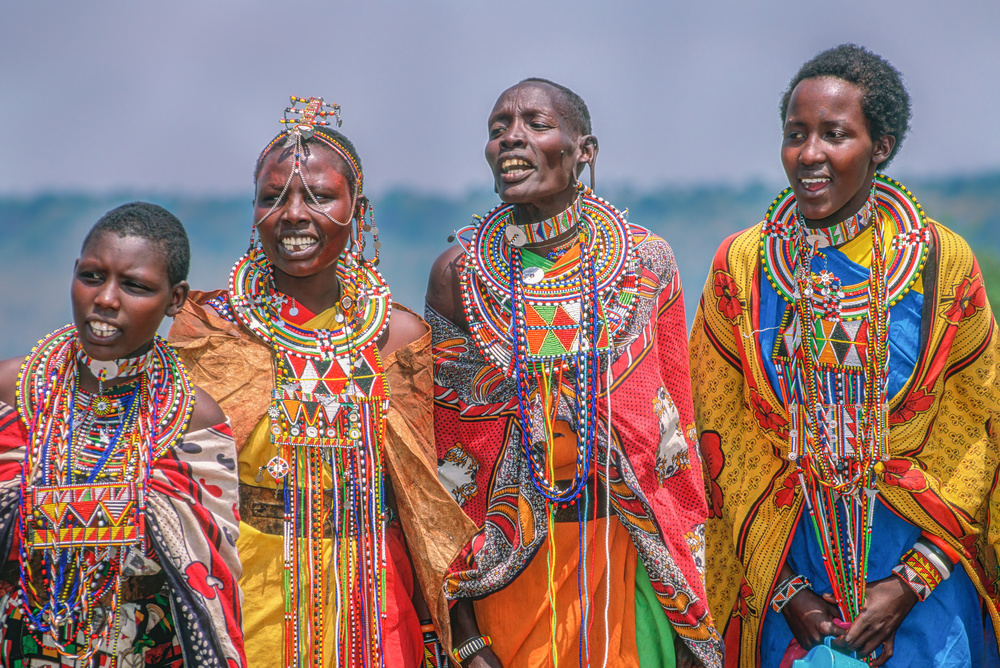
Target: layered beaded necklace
x=832 y=357
x=327 y=419
x=545 y=324
x=85 y=478
x=549 y=323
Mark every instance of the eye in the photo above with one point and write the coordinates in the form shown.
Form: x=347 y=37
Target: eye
x=794 y=135
x=540 y=125
x=497 y=131
x=89 y=277
x=136 y=286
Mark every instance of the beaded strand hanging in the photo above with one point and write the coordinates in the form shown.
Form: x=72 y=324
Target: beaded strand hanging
x=84 y=482
x=833 y=358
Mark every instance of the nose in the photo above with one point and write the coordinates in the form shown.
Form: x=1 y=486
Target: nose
x=296 y=208
x=107 y=296
x=513 y=136
x=812 y=151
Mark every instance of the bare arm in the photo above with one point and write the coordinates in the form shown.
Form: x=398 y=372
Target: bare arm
x=8 y=379
x=443 y=287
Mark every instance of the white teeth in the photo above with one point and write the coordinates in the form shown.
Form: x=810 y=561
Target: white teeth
x=298 y=243
x=102 y=328
x=811 y=181
x=512 y=165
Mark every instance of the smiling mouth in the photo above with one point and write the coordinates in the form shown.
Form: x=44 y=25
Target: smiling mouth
x=102 y=330
x=298 y=244
x=513 y=169
x=814 y=184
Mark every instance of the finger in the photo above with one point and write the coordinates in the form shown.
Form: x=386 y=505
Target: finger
x=829 y=598
x=886 y=652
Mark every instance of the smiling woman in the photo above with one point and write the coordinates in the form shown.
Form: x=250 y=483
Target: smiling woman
x=563 y=415
x=846 y=388
x=117 y=476
x=328 y=384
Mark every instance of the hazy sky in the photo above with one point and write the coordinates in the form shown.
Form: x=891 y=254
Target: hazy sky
x=181 y=95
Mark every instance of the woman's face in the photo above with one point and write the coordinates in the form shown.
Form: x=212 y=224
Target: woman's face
x=121 y=291
x=297 y=237
x=534 y=150
x=827 y=152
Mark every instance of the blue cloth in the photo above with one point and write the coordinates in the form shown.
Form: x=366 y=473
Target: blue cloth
x=945 y=631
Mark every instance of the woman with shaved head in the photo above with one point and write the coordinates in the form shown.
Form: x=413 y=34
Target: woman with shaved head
x=563 y=418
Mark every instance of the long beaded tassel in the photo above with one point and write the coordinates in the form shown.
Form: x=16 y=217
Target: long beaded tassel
x=353 y=467
x=840 y=485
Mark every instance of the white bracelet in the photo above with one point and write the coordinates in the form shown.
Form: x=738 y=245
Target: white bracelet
x=934 y=559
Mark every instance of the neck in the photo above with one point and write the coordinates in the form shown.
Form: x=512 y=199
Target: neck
x=545 y=233
x=317 y=292
x=845 y=229
x=530 y=213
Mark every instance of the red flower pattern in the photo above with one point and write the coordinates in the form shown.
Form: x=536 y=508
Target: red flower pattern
x=727 y=294
x=902 y=473
x=970 y=296
x=784 y=497
x=742 y=608
x=915 y=402
x=711 y=454
x=766 y=416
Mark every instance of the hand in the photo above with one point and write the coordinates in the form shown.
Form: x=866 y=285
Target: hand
x=683 y=656
x=887 y=603
x=812 y=618
x=484 y=658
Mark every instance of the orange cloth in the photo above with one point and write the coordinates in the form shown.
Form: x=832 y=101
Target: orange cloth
x=518 y=618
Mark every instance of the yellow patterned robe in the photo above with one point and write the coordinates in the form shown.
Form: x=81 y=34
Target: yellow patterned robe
x=944 y=436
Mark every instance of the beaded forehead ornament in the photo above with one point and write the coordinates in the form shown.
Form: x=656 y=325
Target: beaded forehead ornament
x=301 y=126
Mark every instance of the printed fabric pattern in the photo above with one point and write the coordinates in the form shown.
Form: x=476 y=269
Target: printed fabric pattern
x=943 y=440
x=192 y=526
x=654 y=475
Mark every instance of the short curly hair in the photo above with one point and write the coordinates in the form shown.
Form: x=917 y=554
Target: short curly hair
x=152 y=223
x=884 y=100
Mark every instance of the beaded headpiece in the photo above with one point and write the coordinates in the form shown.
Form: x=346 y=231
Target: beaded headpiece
x=301 y=125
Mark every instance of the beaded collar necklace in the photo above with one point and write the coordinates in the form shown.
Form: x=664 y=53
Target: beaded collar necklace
x=546 y=324
x=904 y=259
x=551 y=293
x=845 y=230
x=83 y=499
x=537 y=233
x=838 y=407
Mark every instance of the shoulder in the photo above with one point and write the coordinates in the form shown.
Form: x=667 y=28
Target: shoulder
x=443 y=286
x=206 y=411
x=9 y=370
x=405 y=327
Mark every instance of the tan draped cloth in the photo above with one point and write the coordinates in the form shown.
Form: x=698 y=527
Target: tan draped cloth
x=234 y=366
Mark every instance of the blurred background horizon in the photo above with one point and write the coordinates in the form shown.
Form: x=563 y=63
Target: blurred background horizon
x=107 y=102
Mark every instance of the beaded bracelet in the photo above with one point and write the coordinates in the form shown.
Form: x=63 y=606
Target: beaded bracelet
x=434 y=654
x=918 y=573
x=471 y=646
x=787 y=589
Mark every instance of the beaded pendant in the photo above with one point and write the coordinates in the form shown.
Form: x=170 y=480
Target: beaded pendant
x=327 y=425
x=84 y=482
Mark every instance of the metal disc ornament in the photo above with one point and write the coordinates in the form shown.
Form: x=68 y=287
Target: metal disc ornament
x=515 y=236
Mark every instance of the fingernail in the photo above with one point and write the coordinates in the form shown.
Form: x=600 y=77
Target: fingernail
x=841 y=623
